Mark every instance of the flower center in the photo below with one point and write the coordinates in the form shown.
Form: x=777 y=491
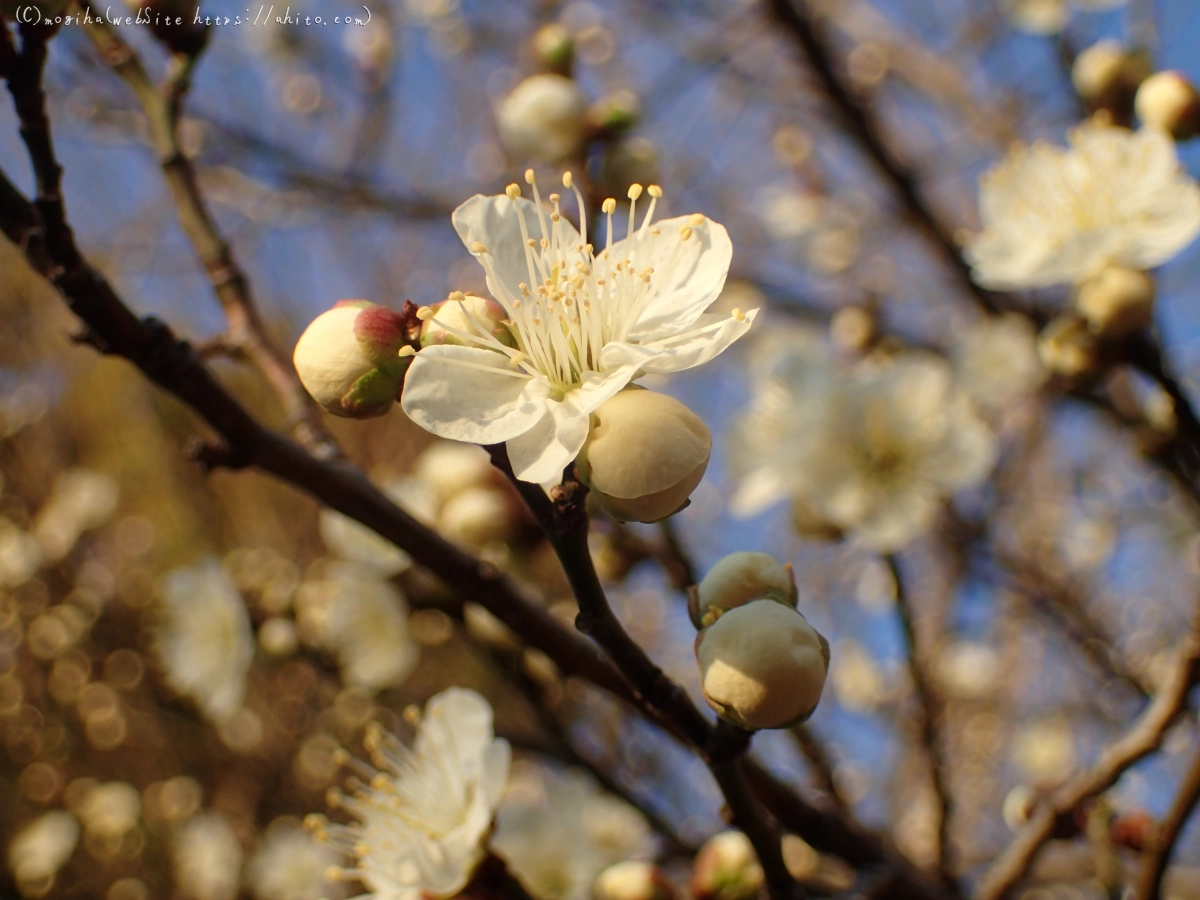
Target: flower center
x=575 y=300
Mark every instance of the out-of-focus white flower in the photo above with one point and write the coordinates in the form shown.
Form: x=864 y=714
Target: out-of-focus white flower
x=81 y=499
x=856 y=679
x=1045 y=749
x=543 y=119
x=1050 y=16
x=1058 y=215
x=872 y=450
x=558 y=831
x=208 y=858
x=585 y=324
x=632 y=880
x=477 y=517
x=996 y=361
x=41 y=848
x=355 y=542
x=363 y=620
x=110 y=810
x=205 y=643
x=423 y=817
x=290 y=864
x=20 y=554
x=969 y=669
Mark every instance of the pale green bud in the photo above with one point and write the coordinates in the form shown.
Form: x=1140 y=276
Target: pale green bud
x=632 y=880
x=736 y=580
x=762 y=665
x=645 y=454
x=727 y=868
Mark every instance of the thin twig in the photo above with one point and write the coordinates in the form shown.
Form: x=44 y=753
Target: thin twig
x=1158 y=855
x=246 y=330
x=565 y=522
x=932 y=707
x=820 y=765
x=861 y=124
x=1141 y=740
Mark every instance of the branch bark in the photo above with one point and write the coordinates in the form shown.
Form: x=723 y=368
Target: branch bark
x=1158 y=855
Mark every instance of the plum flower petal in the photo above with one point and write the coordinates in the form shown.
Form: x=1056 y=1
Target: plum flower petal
x=473 y=405
x=584 y=322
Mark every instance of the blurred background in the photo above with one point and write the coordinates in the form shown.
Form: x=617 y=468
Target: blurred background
x=1047 y=598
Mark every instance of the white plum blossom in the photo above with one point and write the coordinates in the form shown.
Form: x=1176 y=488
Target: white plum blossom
x=205 y=642
x=207 y=857
x=423 y=815
x=351 y=540
x=557 y=831
x=41 y=848
x=872 y=451
x=361 y=618
x=585 y=323
x=291 y=865
x=1060 y=215
x=996 y=361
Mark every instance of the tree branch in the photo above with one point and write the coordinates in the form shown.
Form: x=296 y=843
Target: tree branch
x=1141 y=740
x=1158 y=855
x=932 y=707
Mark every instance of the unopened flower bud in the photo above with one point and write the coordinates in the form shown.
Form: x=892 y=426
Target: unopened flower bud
x=615 y=113
x=1168 y=100
x=632 y=880
x=476 y=517
x=544 y=118
x=553 y=48
x=1066 y=347
x=726 y=868
x=626 y=161
x=1116 y=302
x=736 y=580
x=1106 y=75
x=462 y=316
x=644 y=455
x=762 y=665
x=852 y=328
x=450 y=467
x=348 y=359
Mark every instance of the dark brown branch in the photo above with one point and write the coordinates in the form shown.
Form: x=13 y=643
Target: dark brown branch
x=1158 y=855
x=564 y=519
x=1142 y=739
x=932 y=707
x=820 y=766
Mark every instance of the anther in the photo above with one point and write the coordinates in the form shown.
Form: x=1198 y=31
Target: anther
x=554 y=198
x=609 y=206
x=424 y=313
x=654 y=191
x=738 y=314
x=635 y=191
x=529 y=177
x=406 y=351
x=568 y=179
x=685 y=232
x=478 y=247
x=412 y=715
x=513 y=191
x=696 y=219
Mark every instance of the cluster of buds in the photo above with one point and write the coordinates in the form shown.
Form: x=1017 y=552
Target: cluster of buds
x=761 y=664
x=645 y=454
x=352 y=359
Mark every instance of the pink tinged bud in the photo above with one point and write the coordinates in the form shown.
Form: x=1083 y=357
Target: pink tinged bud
x=348 y=359
x=644 y=456
x=736 y=580
x=727 y=869
x=762 y=665
x=1168 y=100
